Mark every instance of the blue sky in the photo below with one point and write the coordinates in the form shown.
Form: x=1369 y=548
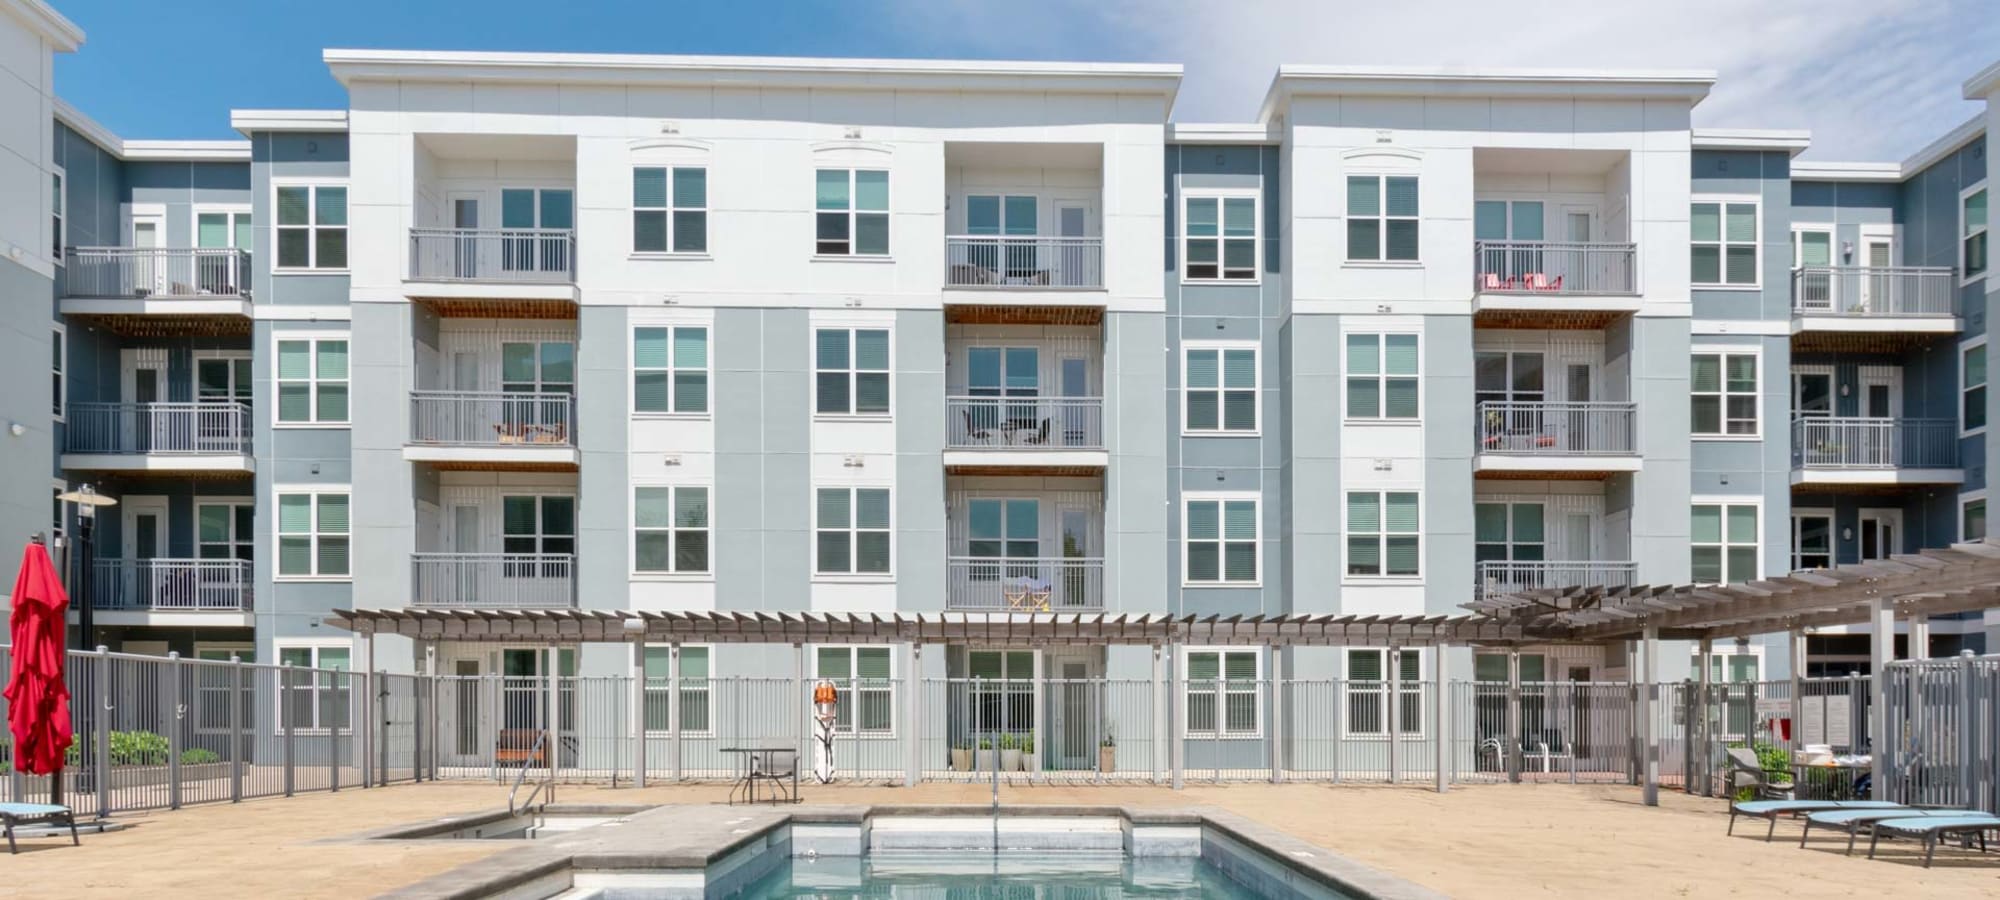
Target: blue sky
x=1873 y=79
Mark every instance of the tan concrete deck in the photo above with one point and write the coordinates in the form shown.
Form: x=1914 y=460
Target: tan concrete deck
x=1487 y=841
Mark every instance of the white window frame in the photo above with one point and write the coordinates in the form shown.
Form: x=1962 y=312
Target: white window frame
x=1411 y=730
x=1722 y=242
x=851 y=371
x=1964 y=348
x=315 y=645
x=1222 y=499
x=676 y=704
x=1381 y=379
x=671 y=369
x=854 y=532
x=312 y=228
x=1382 y=218
x=1832 y=535
x=1964 y=500
x=669 y=210
x=1962 y=235
x=233 y=357
x=58 y=210
x=315 y=491
x=1756 y=353
x=887 y=212
x=1221 y=196
x=673 y=549
x=893 y=688
x=60 y=522
x=312 y=380
x=234 y=503
x=1725 y=502
x=59 y=369
x=1381 y=491
x=1256 y=691
x=1222 y=349
x=1725 y=653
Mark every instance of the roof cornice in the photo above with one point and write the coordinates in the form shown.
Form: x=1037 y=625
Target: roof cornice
x=247 y=121
x=149 y=151
x=1631 y=84
x=44 y=21
x=1792 y=142
x=1223 y=133
x=1889 y=171
x=1984 y=84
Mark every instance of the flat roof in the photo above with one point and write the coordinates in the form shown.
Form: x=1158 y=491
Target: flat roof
x=1791 y=141
x=62 y=34
x=161 y=151
x=1931 y=153
x=1686 y=84
x=1985 y=82
x=248 y=121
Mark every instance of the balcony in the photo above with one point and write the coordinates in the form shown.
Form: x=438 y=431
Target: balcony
x=1834 y=451
x=1534 y=284
x=1024 y=432
x=1862 y=308
x=1023 y=584
x=494 y=272
x=142 y=591
x=1024 y=263
x=493 y=580
x=178 y=291
x=479 y=429
x=1558 y=439
x=158 y=437
x=1495 y=577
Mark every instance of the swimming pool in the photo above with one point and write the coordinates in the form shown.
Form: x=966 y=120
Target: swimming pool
x=1071 y=877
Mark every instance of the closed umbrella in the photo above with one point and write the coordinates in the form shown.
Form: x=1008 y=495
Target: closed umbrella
x=37 y=696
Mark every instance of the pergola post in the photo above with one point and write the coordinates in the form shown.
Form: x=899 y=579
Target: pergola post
x=913 y=763
x=1176 y=747
x=1514 y=713
x=1394 y=683
x=1968 y=768
x=1880 y=651
x=1649 y=692
x=1161 y=727
x=1795 y=644
x=637 y=703
x=1441 y=717
x=1276 y=719
x=1918 y=646
x=674 y=710
x=1698 y=722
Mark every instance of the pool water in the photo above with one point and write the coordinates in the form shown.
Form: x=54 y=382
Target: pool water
x=982 y=876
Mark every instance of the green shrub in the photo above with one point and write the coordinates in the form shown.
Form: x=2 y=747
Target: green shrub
x=197 y=756
x=128 y=748
x=1009 y=742
x=1776 y=762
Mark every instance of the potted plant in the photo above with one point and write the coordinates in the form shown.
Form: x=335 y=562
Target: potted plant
x=984 y=761
x=1107 y=752
x=961 y=758
x=1029 y=761
x=1010 y=753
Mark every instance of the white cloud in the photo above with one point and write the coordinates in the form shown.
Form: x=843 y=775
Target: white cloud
x=1872 y=79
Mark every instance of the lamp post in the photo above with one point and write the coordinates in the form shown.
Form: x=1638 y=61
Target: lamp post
x=87 y=500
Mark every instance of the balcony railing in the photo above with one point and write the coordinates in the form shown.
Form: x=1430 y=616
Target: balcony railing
x=172 y=585
x=1022 y=584
x=1024 y=262
x=1596 y=428
x=186 y=429
x=1553 y=267
x=1510 y=576
x=492 y=419
x=157 y=273
x=1827 y=442
x=493 y=580
x=1024 y=423
x=1872 y=291
x=498 y=255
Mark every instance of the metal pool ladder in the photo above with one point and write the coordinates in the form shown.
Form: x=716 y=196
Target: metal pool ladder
x=548 y=783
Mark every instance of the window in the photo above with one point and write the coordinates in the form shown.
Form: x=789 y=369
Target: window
x=1008 y=530
x=545 y=367
x=670 y=210
x=1972 y=389
x=863 y=677
x=670 y=370
x=1723 y=391
x=1368 y=689
x=1219 y=237
x=851 y=371
x=1220 y=384
x=56 y=215
x=1382 y=218
x=58 y=384
x=670 y=529
x=1382 y=534
x=1972 y=520
x=222 y=379
x=1232 y=676
x=1812 y=540
x=312 y=226
x=537 y=526
x=312 y=381
x=1724 y=540
x=1220 y=537
x=1002 y=691
x=1509 y=532
x=853 y=213
x=1724 y=250
x=1382 y=376
x=312 y=534
x=1972 y=219
x=224 y=530
x=216 y=684
x=316 y=699
x=693 y=688
x=853 y=531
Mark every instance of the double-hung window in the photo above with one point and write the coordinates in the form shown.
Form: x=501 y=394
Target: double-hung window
x=1972 y=520
x=1220 y=386
x=1723 y=394
x=853 y=531
x=694 y=705
x=1232 y=677
x=1368 y=692
x=851 y=371
x=312 y=381
x=1382 y=218
x=538 y=534
x=863 y=677
x=317 y=698
x=56 y=215
x=1002 y=691
x=670 y=369
x=1723 y=537
x=312 y=534
x=670 y=526
x=1219 y=236
x=1383 y=537
x=58 y=381
x=1812 y=540
x=1973 y=229
x=670 y=209
x=312 y=226
x=1972 y=386
x=1724 y=250
x=224 y=530
x=1508 y=532
x=1221 y=540
x=1382 y=376
x=851 y=215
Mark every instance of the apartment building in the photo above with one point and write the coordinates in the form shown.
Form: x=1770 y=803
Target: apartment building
x=874 y=337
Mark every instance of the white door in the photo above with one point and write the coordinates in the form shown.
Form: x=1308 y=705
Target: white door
x=463 y=207
x=1577 y=543
x=466 y=707
x=218 y=230
x=1878 y=252
x=148 y=274
x=465 y=541
x=143 y=539
x=1072 y=717
x=1077 y=262
x=1880 y=530
x=1578 y=224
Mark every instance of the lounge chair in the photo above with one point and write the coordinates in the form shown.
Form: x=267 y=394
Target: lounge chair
x=12 y=814
x=1772 y=809
x=1930 y=829
x=1853 y=820
x=1745 y=771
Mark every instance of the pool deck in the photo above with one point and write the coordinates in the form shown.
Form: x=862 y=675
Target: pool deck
x=1483 y=841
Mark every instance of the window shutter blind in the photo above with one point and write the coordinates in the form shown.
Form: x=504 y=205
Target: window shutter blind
x=690 y=187
x=649 y=188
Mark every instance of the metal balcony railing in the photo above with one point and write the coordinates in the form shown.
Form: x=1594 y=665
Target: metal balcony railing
x=1024 y=262
x=1873 y=291
x=492 y=418
x=157 y=273
x=1511 y=576
x=1557 y=428
x=1554 y=267
x=1024 y=584
x=493 y=580
x=158 y=428
x=1024 y=423
x=1828 y=442
x=172 y=585
x=498 y=255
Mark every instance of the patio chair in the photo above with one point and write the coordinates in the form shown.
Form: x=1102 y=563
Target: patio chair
x=1931 y=829
x=1853 y=820
x=1771 y=810
x=1040 y=437
x=1746 y=771
x=14 y=814
x=780 y=768
x=975 y=432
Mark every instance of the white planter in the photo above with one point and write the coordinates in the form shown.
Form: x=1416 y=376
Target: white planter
x=1010 y=759
x=1031 y=761
x=961 y=759
x=984 y=760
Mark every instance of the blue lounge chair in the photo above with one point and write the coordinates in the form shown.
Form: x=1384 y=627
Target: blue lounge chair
x=1772 y=809
x=1853 y=820
x=1931 y=829
x=12 y=814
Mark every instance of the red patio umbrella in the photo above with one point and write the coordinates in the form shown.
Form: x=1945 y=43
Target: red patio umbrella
x=37 y=696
